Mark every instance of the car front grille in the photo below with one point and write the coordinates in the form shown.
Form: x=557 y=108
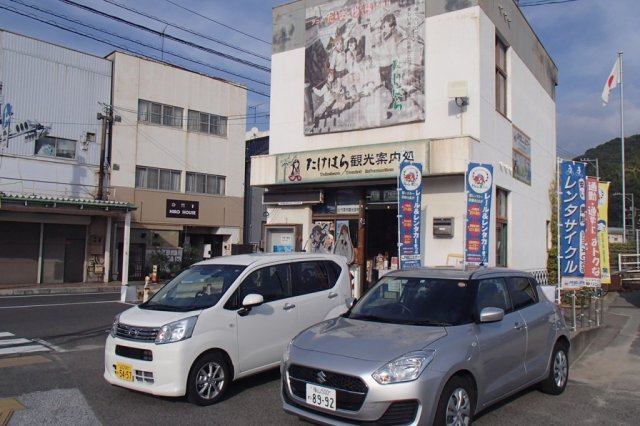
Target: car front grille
x=130 y=332
x=134 y=353
x=350 y=391
x=399 y=413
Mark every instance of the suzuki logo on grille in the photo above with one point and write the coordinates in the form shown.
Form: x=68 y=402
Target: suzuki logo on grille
x=133 y=332
x=321 y=377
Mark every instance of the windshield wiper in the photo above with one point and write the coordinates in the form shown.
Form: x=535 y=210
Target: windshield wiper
x=370 y=318
x=158 y=307
x=430 y=322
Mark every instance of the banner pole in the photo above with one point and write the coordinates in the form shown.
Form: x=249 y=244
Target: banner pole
x=558 y=193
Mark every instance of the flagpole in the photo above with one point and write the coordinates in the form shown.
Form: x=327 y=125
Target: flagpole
x=624 y=194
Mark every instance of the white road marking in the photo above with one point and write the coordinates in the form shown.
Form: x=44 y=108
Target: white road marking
x=58 y=304
x=6 y=334
x=50 y=345
x=7 y=342
x=57 y=295
x=24 y=349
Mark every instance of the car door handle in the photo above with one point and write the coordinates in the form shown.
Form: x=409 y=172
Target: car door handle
x=288 y=306
x=518 y=326
x=333 y=295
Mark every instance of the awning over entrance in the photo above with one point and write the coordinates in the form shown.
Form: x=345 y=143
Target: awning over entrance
x=38 y=203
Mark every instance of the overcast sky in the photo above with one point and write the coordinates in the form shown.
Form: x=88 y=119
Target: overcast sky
x=583 y=38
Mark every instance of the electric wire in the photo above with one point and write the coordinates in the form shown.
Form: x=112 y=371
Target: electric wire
x=545 y=2
x=131 y=9
x=168 y=36
x=129 y=49
x=217 y=22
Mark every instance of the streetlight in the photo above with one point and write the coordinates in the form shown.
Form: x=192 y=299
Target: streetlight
x=593 y=161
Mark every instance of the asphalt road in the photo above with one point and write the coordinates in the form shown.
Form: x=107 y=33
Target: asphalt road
x=63 y=384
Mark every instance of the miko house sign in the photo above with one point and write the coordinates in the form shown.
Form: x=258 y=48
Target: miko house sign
x=183 y=209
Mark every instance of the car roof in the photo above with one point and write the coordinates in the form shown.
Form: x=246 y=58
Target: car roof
x=265 y=258
x=457 y=273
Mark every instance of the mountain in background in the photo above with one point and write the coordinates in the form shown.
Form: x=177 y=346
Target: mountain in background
x=610 y=170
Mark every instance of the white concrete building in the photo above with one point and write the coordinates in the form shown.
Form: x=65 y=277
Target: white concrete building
x=177 y=154
x=52 y=226
x=464 y=82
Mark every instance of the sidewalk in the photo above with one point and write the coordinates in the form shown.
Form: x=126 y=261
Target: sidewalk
x=71 y=288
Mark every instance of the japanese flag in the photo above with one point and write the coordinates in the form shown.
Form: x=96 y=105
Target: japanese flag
x=612 y=82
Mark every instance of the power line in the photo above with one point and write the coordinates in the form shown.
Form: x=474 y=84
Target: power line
x=126 y=48
x=545 y=2
x=170 y=37
x=217 y=22
x=266 y=58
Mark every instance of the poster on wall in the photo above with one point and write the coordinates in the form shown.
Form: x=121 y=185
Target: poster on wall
x=521 y=156
x=603 y=231
x=572 y=223
x=410 y=212
x=364 y=64
x=479 y=191
x=343 y=243
x=321 y=239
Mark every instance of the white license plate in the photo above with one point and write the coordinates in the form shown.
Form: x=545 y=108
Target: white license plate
x=321 y=396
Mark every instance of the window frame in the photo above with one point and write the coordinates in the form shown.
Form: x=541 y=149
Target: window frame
x=198 y=121
x=150 y=112
x=532 y=294
x=56 y=149
x=173 y=187
x=502 y=227
x=501 y=78
x=192 y=183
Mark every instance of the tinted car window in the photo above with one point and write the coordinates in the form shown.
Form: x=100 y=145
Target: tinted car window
x=493 y=293
x=271 y=282
x=309 y=277
x=416 y=301
x=522 y=292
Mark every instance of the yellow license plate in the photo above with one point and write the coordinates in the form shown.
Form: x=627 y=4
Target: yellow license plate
x=124 y=372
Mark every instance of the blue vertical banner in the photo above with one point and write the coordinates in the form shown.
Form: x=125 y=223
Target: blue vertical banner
x=572 y=223
x=410 y=211
x=478 y=230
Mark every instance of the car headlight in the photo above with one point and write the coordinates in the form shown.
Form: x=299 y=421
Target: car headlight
x=404 y=369
x=176 y=331
x=114 y=326
x=287 y=352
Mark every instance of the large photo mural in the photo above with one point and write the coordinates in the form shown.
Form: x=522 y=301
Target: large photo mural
x=364 y=64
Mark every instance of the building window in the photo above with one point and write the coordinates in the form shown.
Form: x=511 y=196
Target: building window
x=502 y=225
x=207 y=123
x=56 y=147
x=154 y=178
x=205 y=184
x=501 y=77
x=165 y=115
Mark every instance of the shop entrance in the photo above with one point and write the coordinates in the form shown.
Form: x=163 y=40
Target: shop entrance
x=381 y=240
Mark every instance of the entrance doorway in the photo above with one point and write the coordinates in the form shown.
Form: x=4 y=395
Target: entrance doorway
x=381 y=240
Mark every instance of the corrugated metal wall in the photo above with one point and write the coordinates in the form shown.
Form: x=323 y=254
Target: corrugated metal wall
x=57 y=87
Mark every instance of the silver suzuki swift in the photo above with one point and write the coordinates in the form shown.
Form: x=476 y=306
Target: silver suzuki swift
x=428 y=346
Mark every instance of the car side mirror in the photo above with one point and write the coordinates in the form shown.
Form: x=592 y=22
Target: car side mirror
x=349 y=302
x=249 y=301
x=491 y=314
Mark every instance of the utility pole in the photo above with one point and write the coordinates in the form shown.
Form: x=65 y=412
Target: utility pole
x=107 y=119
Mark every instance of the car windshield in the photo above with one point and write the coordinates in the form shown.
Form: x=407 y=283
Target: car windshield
x=416 y=301
x=198 y=287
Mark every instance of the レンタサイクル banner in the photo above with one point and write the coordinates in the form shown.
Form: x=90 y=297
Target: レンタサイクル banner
x=572 y=223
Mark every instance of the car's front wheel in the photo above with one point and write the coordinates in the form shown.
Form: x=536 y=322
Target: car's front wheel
x=456 y=404
x=208 y=379
x=558 y=376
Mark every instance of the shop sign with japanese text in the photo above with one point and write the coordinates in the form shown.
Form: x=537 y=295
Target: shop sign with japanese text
x=572 y=223
x=479 y=190
x=349 y=163
x=592 y=272
x=410 y=212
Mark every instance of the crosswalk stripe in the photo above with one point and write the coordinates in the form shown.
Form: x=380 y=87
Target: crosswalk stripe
x=24 y=349
x=7 y=342
x=6 y=334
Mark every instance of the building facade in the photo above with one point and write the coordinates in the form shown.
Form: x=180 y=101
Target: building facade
x=52 y=222
x=177 y=153
x=359 y=86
